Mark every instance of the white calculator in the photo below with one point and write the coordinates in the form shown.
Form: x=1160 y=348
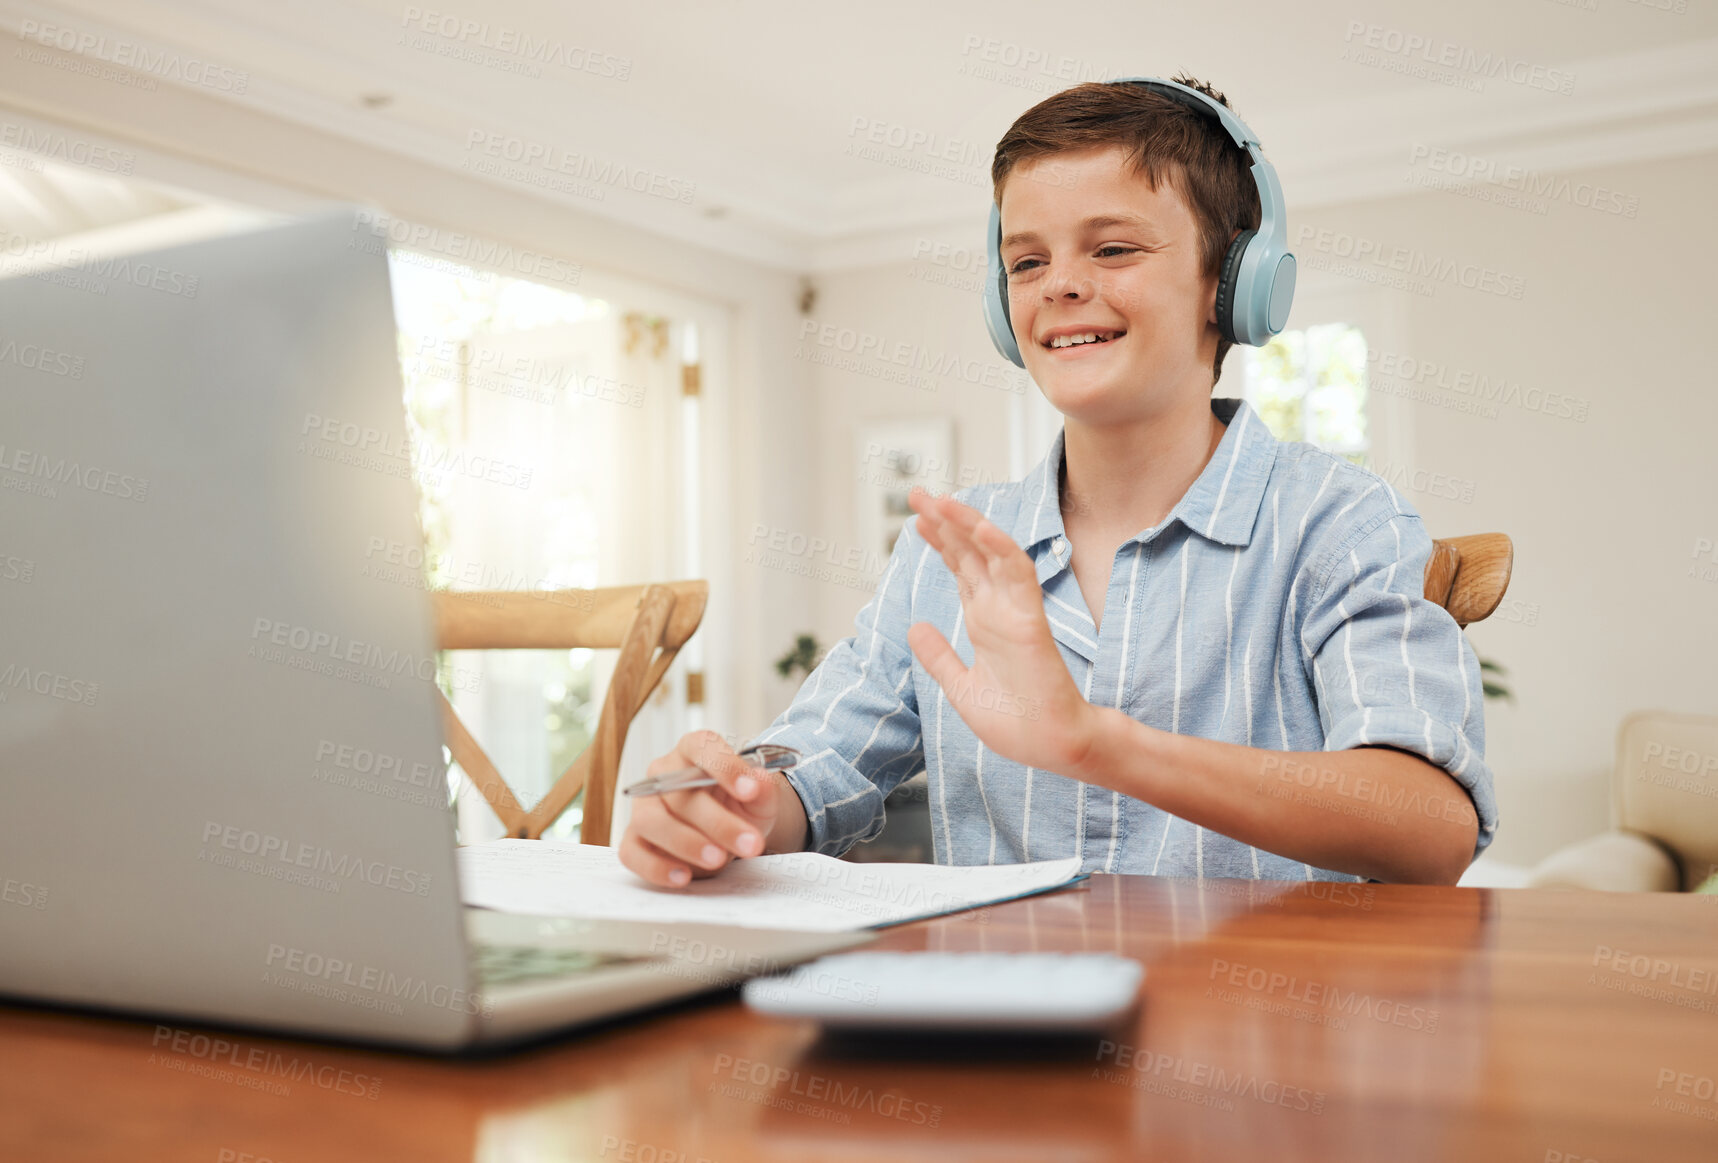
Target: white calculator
x=1048 y=992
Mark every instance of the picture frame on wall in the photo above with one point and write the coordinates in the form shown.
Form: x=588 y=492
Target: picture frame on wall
x=892 y=456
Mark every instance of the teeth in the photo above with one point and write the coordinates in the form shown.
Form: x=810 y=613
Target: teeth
x=1088 y=337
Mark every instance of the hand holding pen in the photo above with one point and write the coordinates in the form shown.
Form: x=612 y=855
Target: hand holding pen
x=702 y=805
x=770 y=756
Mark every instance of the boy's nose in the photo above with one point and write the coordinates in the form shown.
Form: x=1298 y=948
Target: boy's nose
x=1068 y=285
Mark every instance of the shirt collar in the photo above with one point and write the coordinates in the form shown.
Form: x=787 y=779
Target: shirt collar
x=1222 y=505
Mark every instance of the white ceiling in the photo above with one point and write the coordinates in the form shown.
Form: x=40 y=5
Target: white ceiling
x=755 y=103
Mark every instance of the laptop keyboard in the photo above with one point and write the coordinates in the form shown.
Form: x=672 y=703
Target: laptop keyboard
x=511 y=964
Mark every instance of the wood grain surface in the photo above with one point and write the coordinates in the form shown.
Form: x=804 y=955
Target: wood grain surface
x=1278 y=1021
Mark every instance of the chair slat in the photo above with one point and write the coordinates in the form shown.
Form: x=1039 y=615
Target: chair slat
x=1478 y=579
x=648 y=623
x=557 y=619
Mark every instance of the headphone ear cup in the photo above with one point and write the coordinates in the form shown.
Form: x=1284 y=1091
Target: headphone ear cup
x=995 y=298
x=1227 y=277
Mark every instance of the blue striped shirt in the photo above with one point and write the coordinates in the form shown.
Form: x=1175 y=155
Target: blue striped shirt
x=1280 y=605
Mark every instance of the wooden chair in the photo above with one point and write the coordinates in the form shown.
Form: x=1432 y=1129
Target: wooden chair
x=649 y=623
x=1468 y=575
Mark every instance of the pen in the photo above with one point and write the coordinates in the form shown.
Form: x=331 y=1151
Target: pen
x=772 y=756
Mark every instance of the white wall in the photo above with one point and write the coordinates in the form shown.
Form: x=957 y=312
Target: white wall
x=1602 y=617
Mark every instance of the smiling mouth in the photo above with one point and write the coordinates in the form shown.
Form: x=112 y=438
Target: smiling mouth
x=1087 y=339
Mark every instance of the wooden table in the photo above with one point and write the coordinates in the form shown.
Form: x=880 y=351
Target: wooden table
x=1279 y=1021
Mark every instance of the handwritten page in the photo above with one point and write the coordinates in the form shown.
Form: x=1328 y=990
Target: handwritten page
x=799 y=890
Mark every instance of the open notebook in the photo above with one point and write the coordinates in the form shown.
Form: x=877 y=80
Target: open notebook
x=799 y=890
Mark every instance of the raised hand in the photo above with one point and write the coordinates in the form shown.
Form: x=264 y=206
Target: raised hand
x=1017 y=696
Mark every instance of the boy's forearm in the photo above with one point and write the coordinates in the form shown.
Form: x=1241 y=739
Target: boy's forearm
x=1371 y=811
x=789 y=832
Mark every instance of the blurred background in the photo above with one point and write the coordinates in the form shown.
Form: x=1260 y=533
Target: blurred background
x=710 y=273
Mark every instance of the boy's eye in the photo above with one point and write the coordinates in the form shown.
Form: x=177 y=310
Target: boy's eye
x=1113 y=251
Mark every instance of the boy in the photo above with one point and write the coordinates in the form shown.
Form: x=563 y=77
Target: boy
x=1179 y=646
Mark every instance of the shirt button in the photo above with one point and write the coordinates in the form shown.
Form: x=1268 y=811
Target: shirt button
x=1059 y=546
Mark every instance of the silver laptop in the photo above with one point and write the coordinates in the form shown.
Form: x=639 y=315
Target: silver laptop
x=222 y=785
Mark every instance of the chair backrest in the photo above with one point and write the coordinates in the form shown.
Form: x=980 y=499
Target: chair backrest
x=1665 y=785
x=648 y=623
x=1468 y=575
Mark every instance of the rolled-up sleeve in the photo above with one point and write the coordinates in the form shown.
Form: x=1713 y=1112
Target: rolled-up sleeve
x=1392 y=668
x=855 y=720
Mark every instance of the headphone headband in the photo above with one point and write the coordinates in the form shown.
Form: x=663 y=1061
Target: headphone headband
x=1255 y=285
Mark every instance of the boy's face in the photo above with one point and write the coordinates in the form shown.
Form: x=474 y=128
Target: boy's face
x=1097 y=250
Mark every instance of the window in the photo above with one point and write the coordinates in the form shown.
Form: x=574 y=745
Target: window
x=1310 y=384
x=561 y=395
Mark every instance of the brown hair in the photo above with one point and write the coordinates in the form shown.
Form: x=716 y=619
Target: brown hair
x=1165 y=140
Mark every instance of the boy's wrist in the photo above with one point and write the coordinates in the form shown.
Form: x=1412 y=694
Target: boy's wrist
x=792 y=827
x=1114 y=742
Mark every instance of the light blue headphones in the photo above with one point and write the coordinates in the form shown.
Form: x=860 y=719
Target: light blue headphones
x=1256 y=283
